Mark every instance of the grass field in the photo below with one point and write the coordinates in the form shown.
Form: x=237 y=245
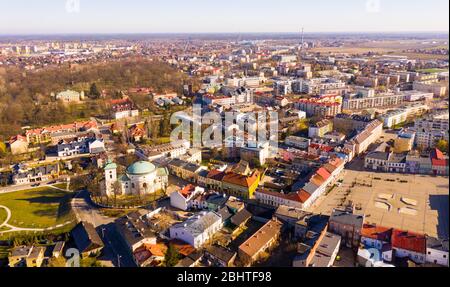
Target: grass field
x=2 y=215
x=38 y=208
x=61 y=185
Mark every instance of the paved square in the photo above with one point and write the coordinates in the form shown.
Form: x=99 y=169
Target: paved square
x=415 y=203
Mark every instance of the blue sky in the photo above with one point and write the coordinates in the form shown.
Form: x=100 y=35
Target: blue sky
x=188 y=16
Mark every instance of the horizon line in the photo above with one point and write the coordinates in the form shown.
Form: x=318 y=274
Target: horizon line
x=219 y=33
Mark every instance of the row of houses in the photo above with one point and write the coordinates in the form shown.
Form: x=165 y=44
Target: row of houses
x=23 y=174
x=226 y=180
x=324 y=176
x=361 y=142
x=21 y=144
x=436 y=163
x=394 y=243
x=80 y=146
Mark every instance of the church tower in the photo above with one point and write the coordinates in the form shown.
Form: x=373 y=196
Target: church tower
x=110 y=176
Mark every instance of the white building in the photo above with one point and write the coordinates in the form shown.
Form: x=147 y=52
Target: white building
x=432 y=129
x=394 y=118
x=297 y=142
x=437 y=251
x=182 y=199
x=198 y=229
x=70 y=96
x=140 y=178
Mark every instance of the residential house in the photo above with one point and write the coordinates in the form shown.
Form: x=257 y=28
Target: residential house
x=218 y=256
x=197 y=229
x=18 y=145
x=150 y=255
x=123 y=108
x=86 y=239
x=240 y=185
x=266 y=237
x=347 y=225
x=135 y=231
x=18 y=255
x=322 y=254
x=409 y=245
x=437 y=251
x=241 y=218
x=36 y=256
x=26 y=175
x=58 y=249
x=182 y=199
x=439 y=163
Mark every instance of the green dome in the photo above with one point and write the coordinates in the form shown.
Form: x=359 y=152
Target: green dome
x=141 y=167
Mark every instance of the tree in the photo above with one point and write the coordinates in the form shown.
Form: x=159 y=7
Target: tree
x=94 y=93
x=171 y=257
x=117 y=190
x=442 y=145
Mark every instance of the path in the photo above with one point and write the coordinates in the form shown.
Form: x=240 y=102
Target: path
x=8 y=215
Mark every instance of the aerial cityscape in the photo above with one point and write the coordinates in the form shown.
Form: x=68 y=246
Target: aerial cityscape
x=272 y=134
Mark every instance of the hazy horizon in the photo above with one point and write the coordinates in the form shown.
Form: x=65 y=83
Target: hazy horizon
x=57 y=17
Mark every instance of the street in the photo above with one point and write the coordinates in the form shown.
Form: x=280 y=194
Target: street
x=114 y=247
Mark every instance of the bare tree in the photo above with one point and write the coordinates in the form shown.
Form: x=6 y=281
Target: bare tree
x=117 y=190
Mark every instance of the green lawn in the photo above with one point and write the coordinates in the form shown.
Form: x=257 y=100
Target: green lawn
x=2 y=215
x=61 y=185
x=38 y=208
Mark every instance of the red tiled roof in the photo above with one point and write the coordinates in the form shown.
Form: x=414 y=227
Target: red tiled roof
x=241 y=180
x=336 y=162
x=304 y=196
x=323 y=173
x=17 y=138
x=216 y=175
x=317 y=180
x=187 y=190
x=182 y=247
x=321 y=147
x=376 y=232
x=294 y=196
x=409 y=241
x=58 y=128
x=330 y=168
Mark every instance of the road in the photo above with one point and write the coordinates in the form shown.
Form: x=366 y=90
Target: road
x=13 y=188
x=115 y=249
x=86 y=211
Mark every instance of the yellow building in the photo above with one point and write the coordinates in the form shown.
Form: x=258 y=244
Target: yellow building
x=241 y=185
x=36 y=257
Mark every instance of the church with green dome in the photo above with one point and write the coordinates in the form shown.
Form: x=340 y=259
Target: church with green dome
x=141 y=177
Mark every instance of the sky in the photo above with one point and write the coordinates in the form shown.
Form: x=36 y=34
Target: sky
x=221 y=16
